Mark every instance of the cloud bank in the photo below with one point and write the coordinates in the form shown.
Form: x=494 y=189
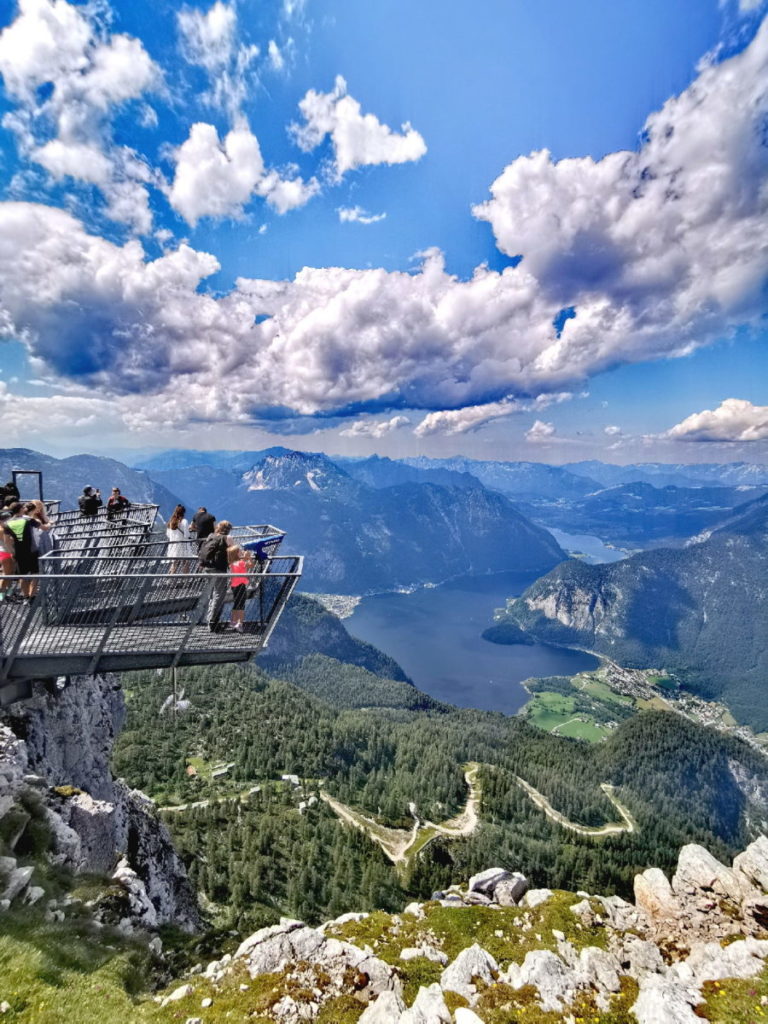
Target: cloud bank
x=734 y=420
x=658 y=251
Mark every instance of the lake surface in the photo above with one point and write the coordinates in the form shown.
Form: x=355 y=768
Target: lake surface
x=435 y=635
x=592 y=548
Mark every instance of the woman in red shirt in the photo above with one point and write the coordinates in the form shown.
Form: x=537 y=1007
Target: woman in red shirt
x=240 y=563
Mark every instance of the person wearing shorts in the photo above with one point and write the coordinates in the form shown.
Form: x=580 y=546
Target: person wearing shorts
x=7 y=559
x=240 y=563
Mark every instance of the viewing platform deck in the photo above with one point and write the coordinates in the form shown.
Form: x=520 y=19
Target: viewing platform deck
x=110 y=598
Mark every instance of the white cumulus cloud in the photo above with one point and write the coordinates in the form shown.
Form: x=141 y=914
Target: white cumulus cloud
x=357 y=215
x=358 y=139
x=540 y=432
x=734 y=419
x=374 y=428
x=90 y=72
x=612 y=431
x=217 y=177
x=210 y=40
x=459 y=421
x=659 y=250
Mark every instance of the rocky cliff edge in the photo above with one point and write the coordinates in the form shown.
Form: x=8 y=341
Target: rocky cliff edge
x=60 y=805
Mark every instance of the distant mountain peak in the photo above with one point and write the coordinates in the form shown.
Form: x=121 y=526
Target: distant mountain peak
x=293 y=470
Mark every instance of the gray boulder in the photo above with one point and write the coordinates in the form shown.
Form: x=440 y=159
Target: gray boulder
x=709 y=961
x=510 y=891
x=387 y=1009
x=654 y=896
x=698 y=870
x=663 y=1000
x=428 y=1008
x=751 y=866
x=535 y=897
x=486 y=881
x=471 y=963
x=557 y=984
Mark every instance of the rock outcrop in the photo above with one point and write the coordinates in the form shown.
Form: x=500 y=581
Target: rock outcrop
x=648 y=963
x=55 y=754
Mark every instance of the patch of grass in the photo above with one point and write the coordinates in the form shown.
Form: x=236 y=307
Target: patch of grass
x=735 y=1001
x=601 y=691
x=584 y=730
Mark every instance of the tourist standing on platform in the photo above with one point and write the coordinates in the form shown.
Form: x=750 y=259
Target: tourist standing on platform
x=24 y=529
x=203 y=524
x=90 y=501
x=7 y=559
x=214 y=559
x=240 y=564
x=117 y=504
x=180 y=548
x=45 y=538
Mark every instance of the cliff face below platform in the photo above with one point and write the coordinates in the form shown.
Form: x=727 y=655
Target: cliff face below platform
x=60 y=803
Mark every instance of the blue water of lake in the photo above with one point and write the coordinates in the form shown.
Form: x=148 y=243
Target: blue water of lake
x=435 y=634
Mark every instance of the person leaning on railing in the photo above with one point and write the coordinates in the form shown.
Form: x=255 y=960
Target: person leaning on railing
x=213 y=559
x=117 y=503
x=240 y=564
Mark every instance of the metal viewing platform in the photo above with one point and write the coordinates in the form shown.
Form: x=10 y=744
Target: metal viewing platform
x=110 y=598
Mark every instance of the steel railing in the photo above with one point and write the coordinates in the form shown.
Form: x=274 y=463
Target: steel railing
x=103 y=620
x=138 y=514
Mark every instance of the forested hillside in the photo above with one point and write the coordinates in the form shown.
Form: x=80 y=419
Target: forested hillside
x=258 y=854
x=700 y=611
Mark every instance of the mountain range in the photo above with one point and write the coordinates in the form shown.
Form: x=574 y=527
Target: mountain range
x=700 y=611
x=358 y=538
x=65 y=478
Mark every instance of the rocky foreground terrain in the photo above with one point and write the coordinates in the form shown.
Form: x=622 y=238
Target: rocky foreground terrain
x=538 y=955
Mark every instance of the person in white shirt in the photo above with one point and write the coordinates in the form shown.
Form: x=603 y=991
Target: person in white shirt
x=179 y=542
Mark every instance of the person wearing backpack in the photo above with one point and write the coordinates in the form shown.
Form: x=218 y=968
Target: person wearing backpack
x=213 y=559
x=90 y=501
x=24 y=530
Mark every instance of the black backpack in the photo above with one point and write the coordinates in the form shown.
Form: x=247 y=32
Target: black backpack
x=213 y=551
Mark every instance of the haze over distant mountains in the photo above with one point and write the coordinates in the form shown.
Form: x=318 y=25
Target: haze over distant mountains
x=359 y=538
x=65 y=478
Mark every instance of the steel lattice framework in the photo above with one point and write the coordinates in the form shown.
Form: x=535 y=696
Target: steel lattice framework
x=111 y=599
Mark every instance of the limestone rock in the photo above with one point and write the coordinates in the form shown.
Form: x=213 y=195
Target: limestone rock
x=599 y=969
x=177 y=995
x=622 y=915
x=67 y=741
x=486 y=881
x=465 y=1016
x=386 y=1009
x=13 y=768
x=751 y=866
x=535 y=897
x=428 y=1008
x=471 y=963
x=428 y=952
x=709 y=961
x=698 y=870
x=18 y=880
x=138 y=909
x=664 y=1001
x=415 y=909
x=654 y=896
x=545 y=970
x=638 y=957
x=510 y=891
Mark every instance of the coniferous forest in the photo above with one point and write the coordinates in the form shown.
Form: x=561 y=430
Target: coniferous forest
x=380 y=746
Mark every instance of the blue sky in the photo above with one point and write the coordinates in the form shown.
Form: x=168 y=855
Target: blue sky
x=240 y=223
